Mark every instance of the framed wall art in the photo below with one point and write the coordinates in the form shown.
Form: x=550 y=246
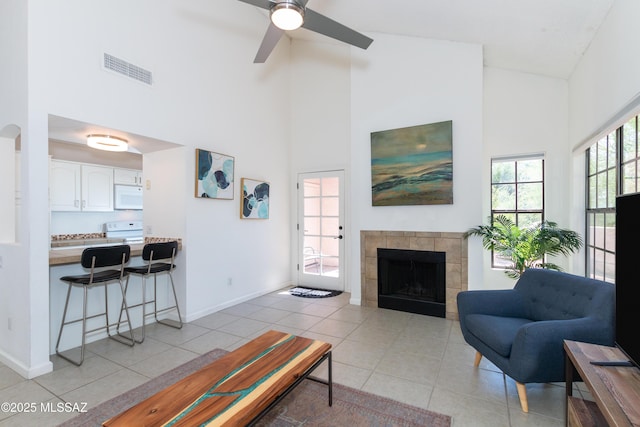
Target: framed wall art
x=412 y=165
x=214 y=175
x=254 y=203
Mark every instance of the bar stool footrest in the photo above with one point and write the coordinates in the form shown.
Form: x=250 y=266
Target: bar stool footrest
x=170 y=322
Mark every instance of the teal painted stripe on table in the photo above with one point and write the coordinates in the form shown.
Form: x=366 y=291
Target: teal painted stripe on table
x=240 y=393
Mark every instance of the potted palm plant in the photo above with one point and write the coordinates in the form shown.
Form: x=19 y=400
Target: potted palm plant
x=526 y=247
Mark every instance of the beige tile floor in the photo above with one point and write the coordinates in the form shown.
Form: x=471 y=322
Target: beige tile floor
x=419 y=360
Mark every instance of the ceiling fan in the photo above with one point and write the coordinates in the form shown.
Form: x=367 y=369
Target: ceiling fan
x=292 y=14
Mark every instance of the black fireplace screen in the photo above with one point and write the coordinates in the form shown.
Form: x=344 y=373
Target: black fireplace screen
x=409 y=279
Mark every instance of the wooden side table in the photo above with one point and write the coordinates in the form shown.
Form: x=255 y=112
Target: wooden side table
x=616 y=390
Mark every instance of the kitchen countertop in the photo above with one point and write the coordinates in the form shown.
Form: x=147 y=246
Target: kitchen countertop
x=73 y=255
x=61 y=256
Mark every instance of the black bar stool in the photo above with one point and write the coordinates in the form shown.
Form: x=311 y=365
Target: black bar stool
x=96 y=259
x=159 y=258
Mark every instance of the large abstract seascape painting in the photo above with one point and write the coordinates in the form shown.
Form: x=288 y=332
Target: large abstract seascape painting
x=412 y=165
x=214 y=175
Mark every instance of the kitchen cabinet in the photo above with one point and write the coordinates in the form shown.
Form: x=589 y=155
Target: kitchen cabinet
x=97 y=188
x=64 y=186
x=75 y=187
x=127 y=176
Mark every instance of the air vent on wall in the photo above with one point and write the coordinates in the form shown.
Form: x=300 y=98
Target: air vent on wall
x=127 y=69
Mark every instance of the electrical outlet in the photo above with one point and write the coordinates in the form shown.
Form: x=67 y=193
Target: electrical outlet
x=148 y=184
x=229 y=281
x=9 y=326
x=149 y=230
x=0 y=261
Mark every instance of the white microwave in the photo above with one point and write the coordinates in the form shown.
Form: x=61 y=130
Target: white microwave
x=127 y=197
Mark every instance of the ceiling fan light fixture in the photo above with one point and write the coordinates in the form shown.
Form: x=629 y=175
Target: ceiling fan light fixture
x=287 y=15
x=107 y=143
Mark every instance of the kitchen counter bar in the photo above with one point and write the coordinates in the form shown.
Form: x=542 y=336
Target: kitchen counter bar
x=60 y=256
x=66 y=261
x=72 y=256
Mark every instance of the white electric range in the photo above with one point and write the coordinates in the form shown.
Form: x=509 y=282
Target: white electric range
x=129 y=231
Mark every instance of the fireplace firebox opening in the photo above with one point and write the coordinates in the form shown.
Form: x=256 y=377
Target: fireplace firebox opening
x=412 y=281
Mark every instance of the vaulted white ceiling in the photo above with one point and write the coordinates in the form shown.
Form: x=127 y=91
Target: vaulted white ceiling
x=545 y=37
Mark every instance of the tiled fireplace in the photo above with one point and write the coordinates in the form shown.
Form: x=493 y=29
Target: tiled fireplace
x=452 y=244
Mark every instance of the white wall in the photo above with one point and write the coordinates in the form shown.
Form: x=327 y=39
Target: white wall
x=405 y=81
x=207 y=94
x=7 y=189
x=22 y=310
x=320 y=106
x=320 y=120
x=526 y=114
x=165 y=214
x=604 y=91
x=606 y=79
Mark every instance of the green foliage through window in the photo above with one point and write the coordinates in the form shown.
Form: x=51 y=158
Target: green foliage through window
x=612 y=166
x=517 y=193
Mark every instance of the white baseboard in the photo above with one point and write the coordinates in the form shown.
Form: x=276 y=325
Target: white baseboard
x=25 y=371
x=190 y=317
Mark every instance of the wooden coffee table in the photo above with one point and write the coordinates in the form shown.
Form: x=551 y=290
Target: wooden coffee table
x=237 y=389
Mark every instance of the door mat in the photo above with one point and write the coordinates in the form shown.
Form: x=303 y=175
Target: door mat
x=301 y=291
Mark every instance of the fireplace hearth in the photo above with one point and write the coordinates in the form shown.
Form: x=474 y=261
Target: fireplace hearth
x=412 y=281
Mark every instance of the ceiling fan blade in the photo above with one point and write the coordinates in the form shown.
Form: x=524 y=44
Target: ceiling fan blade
x=269 y=42
x=265 y=4
x=321 y=24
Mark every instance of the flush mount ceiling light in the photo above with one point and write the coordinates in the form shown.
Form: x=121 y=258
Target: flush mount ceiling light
x=287 y=15
x=107 y=142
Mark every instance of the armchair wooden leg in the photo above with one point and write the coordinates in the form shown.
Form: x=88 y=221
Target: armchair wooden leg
x=522 y=394
x=476 y=362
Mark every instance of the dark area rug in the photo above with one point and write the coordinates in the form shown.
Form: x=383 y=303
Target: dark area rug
x=306 y=406
x=302 y=291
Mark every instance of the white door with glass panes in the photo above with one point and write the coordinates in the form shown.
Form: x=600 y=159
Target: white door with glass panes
x=321 y=230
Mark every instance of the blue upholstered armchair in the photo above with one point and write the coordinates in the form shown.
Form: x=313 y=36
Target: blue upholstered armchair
x=521 y=330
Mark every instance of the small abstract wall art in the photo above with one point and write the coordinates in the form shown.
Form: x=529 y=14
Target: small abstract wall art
x=255 y=199
x=412 y=165
x=214 y=175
